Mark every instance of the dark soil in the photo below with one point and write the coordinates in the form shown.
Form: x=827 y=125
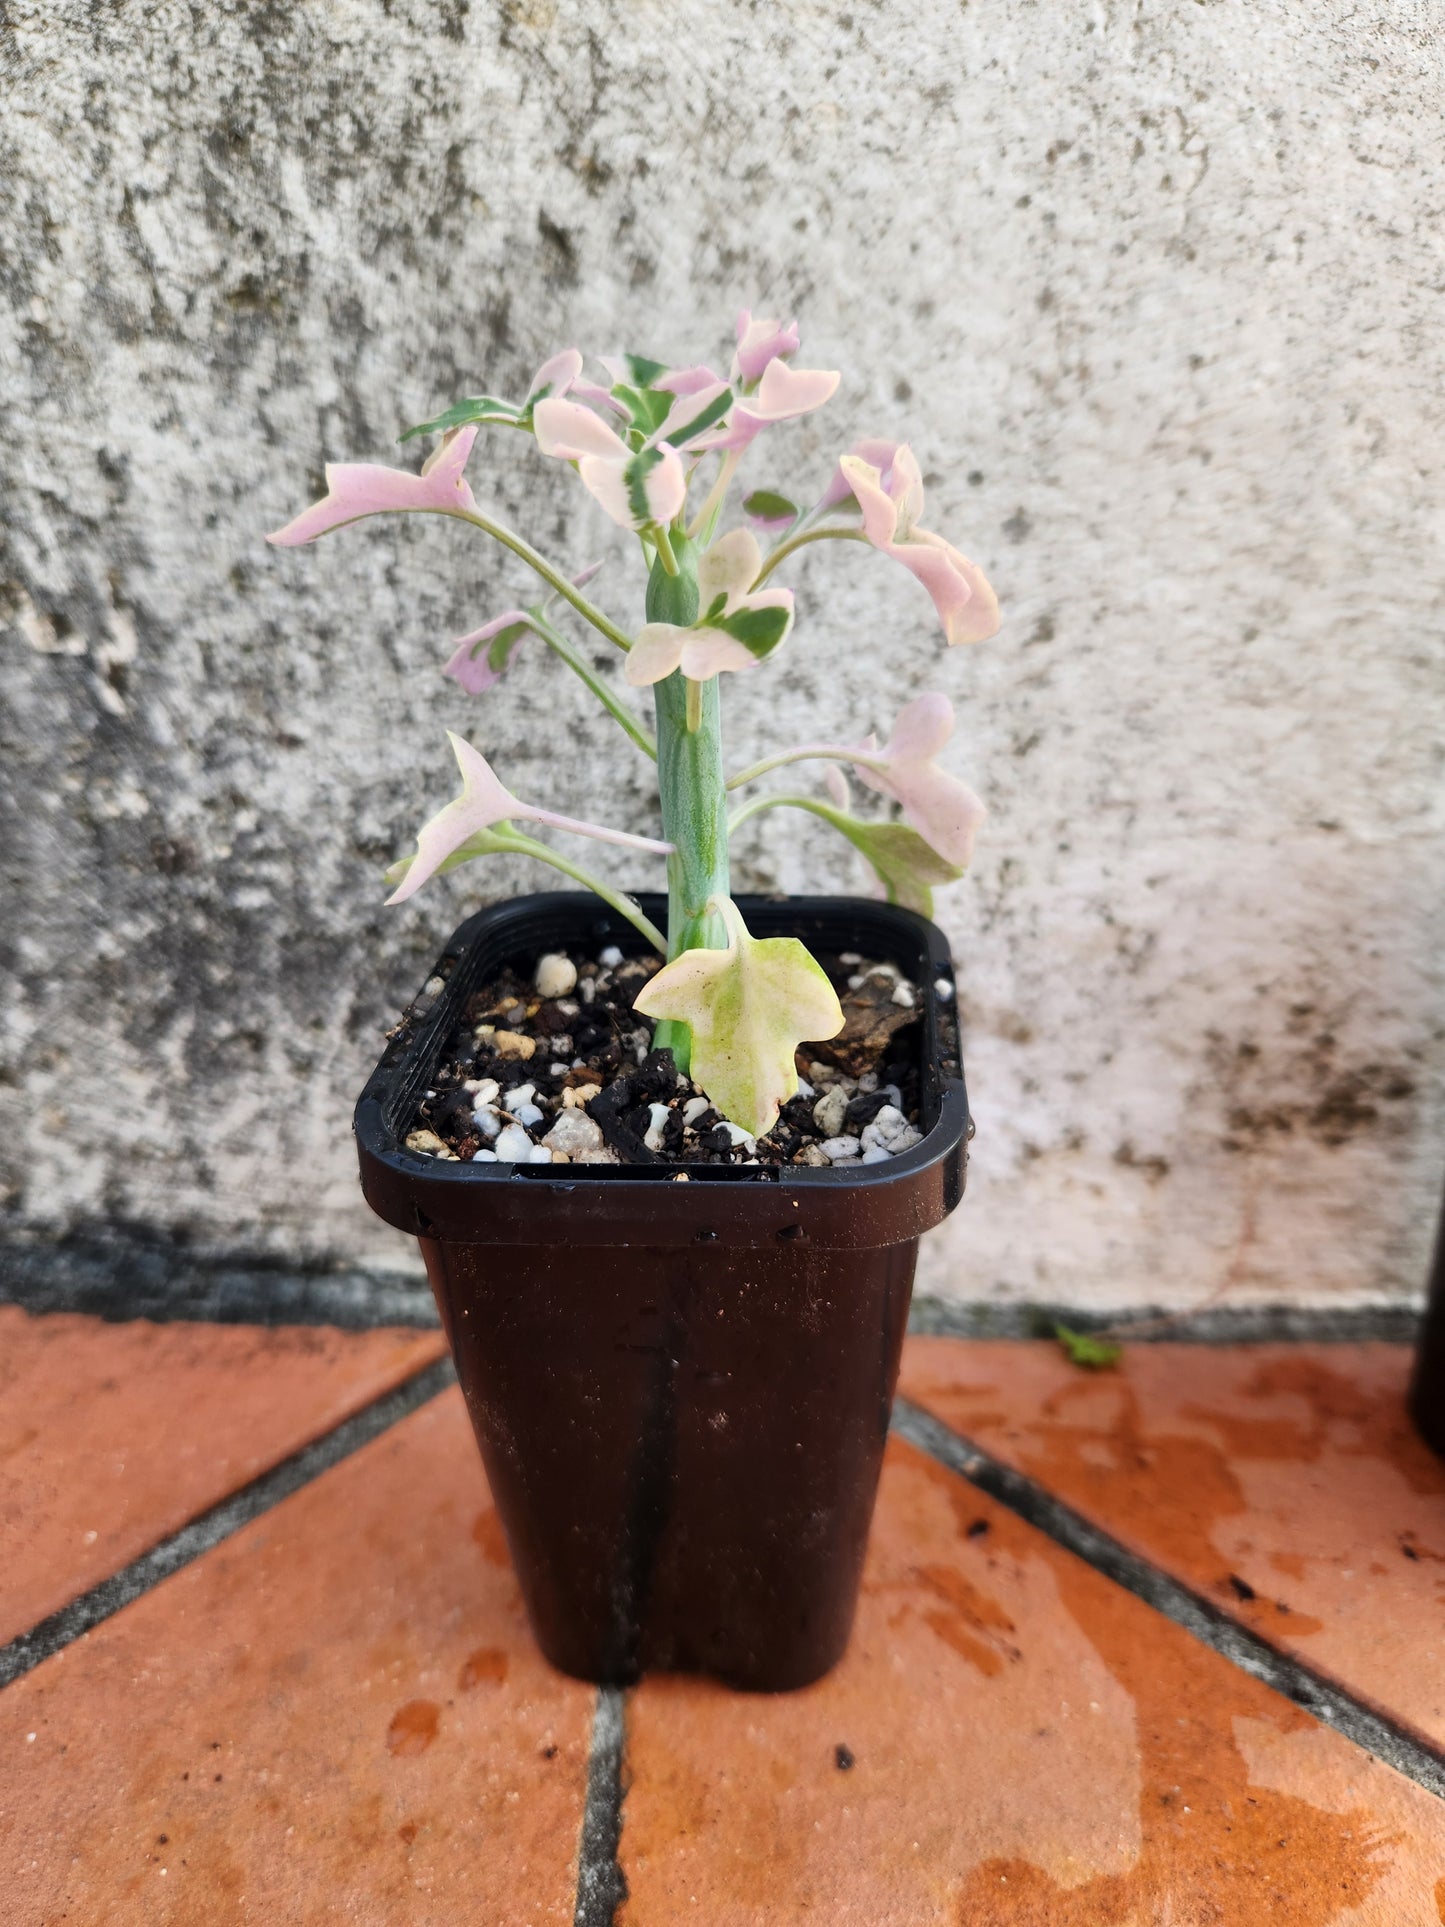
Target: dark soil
x=589 y=1053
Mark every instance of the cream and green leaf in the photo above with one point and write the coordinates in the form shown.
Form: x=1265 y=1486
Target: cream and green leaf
x=747 y=1008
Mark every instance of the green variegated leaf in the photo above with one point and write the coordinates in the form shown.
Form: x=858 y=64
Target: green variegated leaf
x=647 y=408
x=643 y=371
x=766 y=505
x=706 y=417
x=504 y=643
x=461 y=414
x=758 y=630
x=635 y=474
x=747 y=1009
x=907 y=867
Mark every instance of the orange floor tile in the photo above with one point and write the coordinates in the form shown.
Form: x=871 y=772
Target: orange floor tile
x=1026 y=1746
x=113 y=1435
x=336 y=1715
x=1284 y=1481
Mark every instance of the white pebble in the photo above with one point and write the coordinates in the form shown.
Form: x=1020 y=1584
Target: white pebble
x=587 y=990
x=528 y=1114
x=539 y=1154
x=558 y=1070
x=577 y=1137
x=513 y=1145
x=838 y=1150
x=555 y=976
x=894 y=1094
x=805 y=1089
x=484 y=1157
x=943 y=990
x=868 y=1083
x=652 y=1137
x=486 y=1121
x=849 y=957
x=903 y=996
x=610 y=957
x=905 y=1140
x=694 y=1109
x=519 y=1094
x=875 y=1155
x=856 y=983
x=889 y=1121
x=483 y=1090
x=739 y=1135
x=829 y=1111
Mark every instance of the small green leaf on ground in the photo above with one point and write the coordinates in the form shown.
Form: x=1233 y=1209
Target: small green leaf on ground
x=1093 y=1354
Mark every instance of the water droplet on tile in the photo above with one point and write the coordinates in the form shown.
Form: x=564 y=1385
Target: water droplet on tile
x=487 y=1531
x=486 y=1663
x=413 y=1727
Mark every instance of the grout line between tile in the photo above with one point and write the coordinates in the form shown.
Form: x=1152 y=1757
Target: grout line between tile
x=200 y=1534
x=601 y=1883
x=1211 y=1624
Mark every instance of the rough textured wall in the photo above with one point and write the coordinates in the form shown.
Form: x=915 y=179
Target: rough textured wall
x=1155 y=290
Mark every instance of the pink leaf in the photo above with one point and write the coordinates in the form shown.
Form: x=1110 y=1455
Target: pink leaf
x=472 y=665
x=760 y=342
x=783 y=394
x=357 y=489
x=944 y=810
x=891 y=498
x=484 y=800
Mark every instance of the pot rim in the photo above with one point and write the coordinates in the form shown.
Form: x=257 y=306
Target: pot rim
x=421 y=1194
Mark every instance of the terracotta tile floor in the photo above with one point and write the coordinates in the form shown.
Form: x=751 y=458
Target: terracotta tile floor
x=112 y=1436
x=337 y=1714
x=1284 y=1481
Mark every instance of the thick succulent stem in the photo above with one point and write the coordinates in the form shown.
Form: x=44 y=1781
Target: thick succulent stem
x=691 y=782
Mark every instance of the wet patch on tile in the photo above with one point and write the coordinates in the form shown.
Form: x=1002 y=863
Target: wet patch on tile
x=1283 y=1482
x=281 y=1726
x=1099 y=1767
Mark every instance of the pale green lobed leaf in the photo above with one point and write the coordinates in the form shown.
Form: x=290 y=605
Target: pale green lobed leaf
x=748 y=1008
x=907 y=867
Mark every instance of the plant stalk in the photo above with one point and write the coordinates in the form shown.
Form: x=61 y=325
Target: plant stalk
x=615 y=708
x=690 y=781
x=554 y=578
x=792 y=543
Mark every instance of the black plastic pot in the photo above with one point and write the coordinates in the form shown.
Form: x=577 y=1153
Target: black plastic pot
x=681 y=1390
x=1427 y=1386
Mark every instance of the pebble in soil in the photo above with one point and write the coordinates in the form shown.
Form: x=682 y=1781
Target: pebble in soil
x=559 y=1068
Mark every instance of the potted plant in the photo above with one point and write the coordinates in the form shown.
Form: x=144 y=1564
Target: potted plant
x=669 y=1160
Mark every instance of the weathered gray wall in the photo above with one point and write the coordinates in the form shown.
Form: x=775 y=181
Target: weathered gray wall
x=1155 y=289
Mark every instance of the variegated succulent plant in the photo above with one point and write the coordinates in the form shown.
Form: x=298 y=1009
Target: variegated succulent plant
x=732 y=1008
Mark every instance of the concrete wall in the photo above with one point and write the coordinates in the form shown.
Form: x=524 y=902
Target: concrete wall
x=1155 y=290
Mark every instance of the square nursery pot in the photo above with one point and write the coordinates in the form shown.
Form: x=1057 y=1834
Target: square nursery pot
x=681 y=1391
